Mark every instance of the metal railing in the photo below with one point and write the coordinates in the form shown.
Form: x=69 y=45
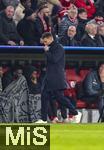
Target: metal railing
x=41 y=47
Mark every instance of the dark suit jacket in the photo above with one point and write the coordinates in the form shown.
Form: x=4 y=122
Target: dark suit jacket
x=55 y=77
x=67 y=41
x=92 y=84
x=88 y=41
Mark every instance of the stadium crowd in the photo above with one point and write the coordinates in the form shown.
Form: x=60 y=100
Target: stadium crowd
x=23 y=22
x=72 y=22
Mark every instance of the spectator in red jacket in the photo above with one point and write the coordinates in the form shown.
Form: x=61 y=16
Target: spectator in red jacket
x=65 y=3
x=88 y=5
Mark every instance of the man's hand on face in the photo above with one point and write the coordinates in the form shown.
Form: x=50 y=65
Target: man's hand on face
x=46 y=48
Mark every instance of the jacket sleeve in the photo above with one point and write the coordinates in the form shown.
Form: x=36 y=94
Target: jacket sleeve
x=63 y=26
x=88 y=85
x=62 y=40
x=55 y=56
x=38 y=27
x=2 y=35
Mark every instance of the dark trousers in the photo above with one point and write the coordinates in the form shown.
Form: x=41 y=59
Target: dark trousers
x=51 y=95
x=64 y=110
x=52 y=109
x=99 y=100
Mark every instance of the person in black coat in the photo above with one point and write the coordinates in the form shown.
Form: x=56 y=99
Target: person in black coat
x=34 y=87
x=93 y=86
x=26 y=27
x=54 y=81
x=31 y=74
x=8 y=31
x=91 y=39
x=69 y=39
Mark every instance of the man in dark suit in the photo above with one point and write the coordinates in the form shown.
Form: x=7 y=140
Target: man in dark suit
x=101 y=31
x=93 y=86
x=91 y=38
x=54 y=82
x=69 y=38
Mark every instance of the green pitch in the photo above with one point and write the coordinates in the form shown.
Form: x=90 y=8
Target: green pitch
x=77 y=137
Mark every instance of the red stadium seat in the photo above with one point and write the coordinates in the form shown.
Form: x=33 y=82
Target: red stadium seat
x=71 y=75
x=81 y=104
x=72 y=78
x=83 y=73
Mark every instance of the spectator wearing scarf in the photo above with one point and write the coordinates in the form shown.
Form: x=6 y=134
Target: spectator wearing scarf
x=43 y=22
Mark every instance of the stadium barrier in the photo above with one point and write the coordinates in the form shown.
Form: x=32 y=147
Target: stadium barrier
x=38 y=49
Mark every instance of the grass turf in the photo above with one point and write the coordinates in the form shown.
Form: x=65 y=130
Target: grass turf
x=77 y=137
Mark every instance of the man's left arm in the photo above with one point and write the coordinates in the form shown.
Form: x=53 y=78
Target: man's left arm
x=56 y=55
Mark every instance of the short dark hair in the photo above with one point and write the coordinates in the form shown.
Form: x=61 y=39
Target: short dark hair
x=22 y=1
x=81 y=10
x=100 y=64
x=46 y=35
x=42 y=6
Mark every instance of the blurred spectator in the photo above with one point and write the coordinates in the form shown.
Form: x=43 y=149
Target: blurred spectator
x=34 y=4
x=94 y=87
x=43 y=23
x=101 y=31
x=7 y=79
x=65 y=6
x=98 y=19
x=100 y=5
x=34 y=86
x=69 y=20
x=17 y=71
x=13 y=3
x=18 y=15
x=82 y=21
x=88 y=5
x=1 y=5
x=8 y=32
x=26 y=27
x=69 y=39
x=91 y=39
x=54 y=10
